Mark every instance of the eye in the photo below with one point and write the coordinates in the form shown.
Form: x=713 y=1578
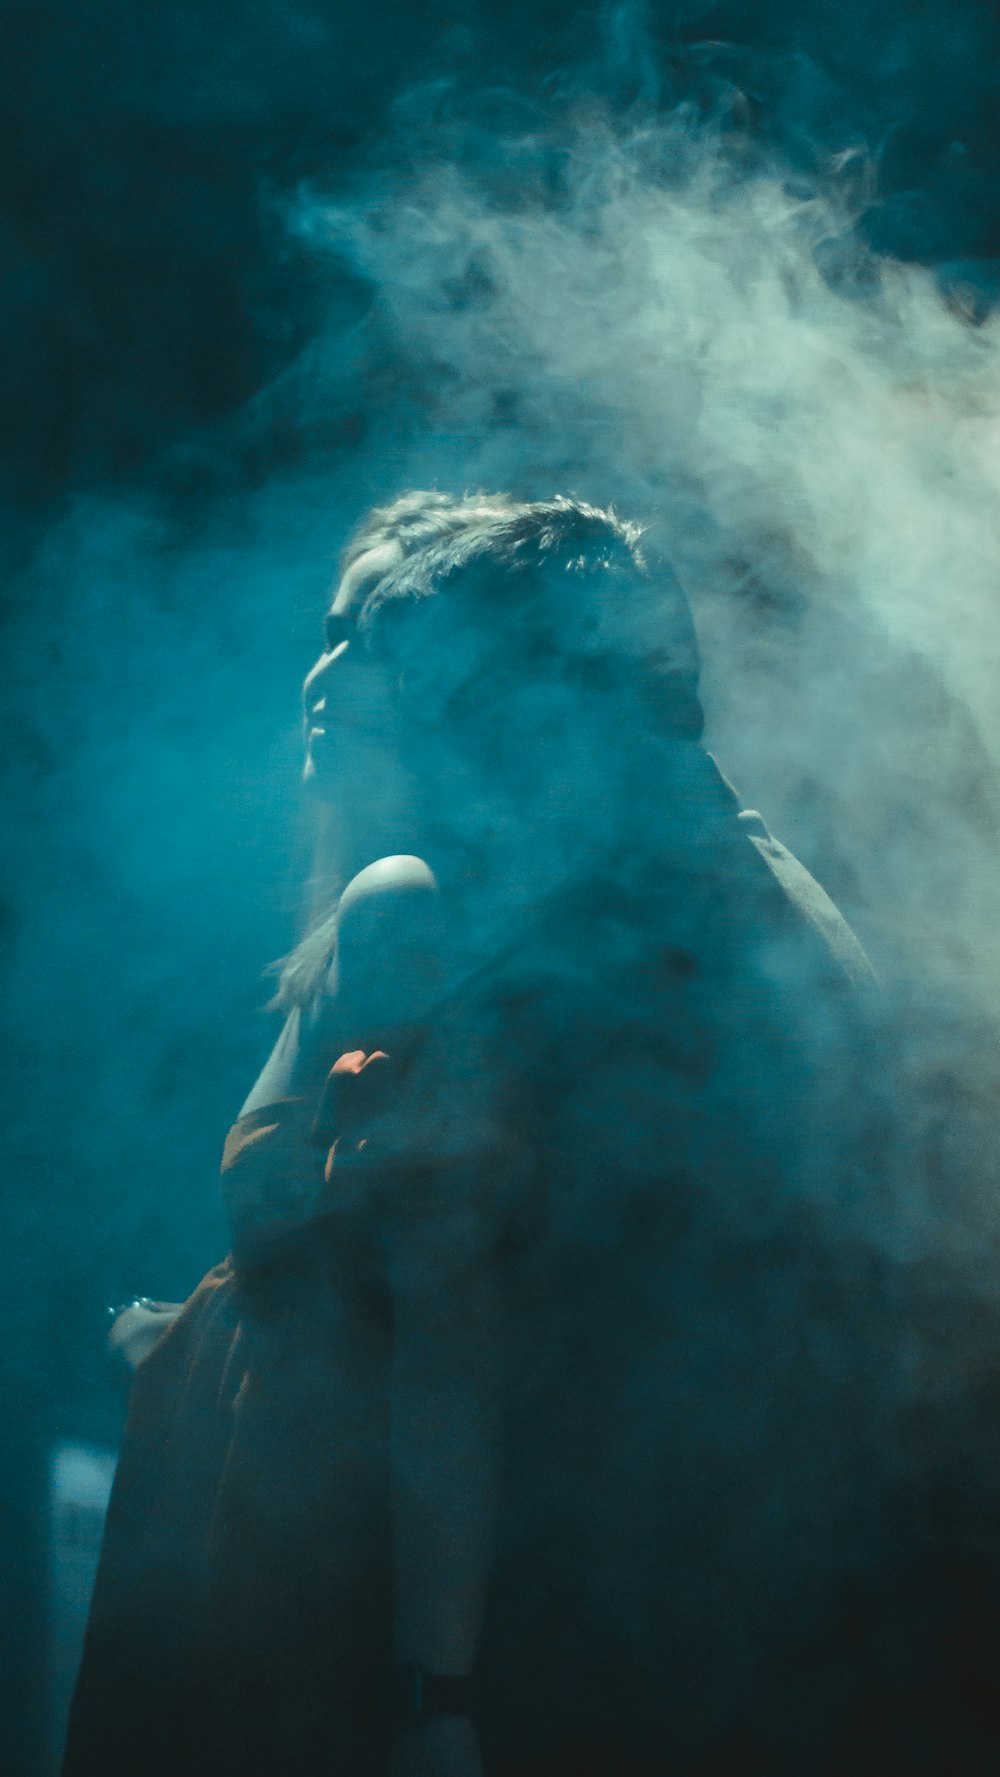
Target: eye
x=596 y=672
x=335 y=630
x=542 y=649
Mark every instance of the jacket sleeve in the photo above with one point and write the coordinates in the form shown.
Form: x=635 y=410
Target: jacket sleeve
x=272 y=1176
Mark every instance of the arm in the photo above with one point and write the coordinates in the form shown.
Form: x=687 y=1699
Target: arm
x=444 y=1435
x=421 y=1178
x=389 y=937
x=444 y=1439
x=435 y=1217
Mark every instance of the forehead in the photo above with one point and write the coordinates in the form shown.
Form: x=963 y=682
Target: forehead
x=607 y=609
x=363 y=575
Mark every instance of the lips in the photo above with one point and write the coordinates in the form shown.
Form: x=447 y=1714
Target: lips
x=360 y=736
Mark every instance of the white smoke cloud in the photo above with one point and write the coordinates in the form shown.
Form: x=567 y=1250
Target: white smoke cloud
x=661 y=312
x=636 y=305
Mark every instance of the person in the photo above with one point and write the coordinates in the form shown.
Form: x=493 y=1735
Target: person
x=532 y=1425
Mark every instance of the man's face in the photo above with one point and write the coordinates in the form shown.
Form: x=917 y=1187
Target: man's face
x=346 y=700
x=495 y=711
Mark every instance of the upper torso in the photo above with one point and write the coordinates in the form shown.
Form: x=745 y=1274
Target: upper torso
x=674 y=1061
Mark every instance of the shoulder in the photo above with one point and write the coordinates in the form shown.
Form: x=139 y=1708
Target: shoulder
x=808 y=903
x=391 y=932
x=388 y=903
x=373 y=964
x=392 y=887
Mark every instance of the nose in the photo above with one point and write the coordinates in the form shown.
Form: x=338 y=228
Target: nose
x=317 y=682
x=348 y=689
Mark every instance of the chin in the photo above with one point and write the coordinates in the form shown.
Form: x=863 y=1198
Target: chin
x=316 y=781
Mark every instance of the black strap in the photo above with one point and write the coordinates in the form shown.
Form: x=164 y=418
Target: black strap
x=418 y=1695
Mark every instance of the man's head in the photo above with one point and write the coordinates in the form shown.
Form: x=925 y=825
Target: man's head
x=525 y=648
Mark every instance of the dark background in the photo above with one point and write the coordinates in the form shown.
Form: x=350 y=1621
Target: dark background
x=146 y=292
x=152 y=291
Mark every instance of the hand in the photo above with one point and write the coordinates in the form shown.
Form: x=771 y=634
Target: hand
x=444 y=1746
x=136 y=1328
